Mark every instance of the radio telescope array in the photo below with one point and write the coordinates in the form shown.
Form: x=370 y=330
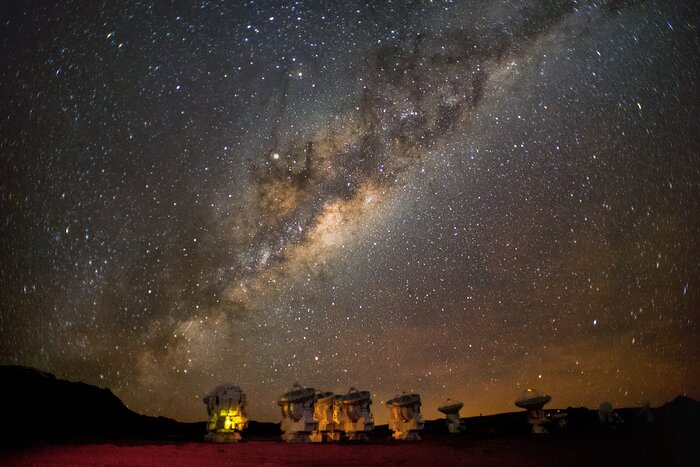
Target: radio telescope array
x=315 y=416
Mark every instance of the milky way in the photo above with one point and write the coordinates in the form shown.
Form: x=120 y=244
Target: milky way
x=461 y=199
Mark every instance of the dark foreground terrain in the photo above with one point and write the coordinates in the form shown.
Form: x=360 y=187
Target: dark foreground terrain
x=69 y=435
x=598 y=449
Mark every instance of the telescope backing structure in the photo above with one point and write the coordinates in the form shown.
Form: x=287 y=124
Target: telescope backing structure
x=298 y=414
x=327 y=412
x=608 y=416
x=533 y=401
x=343 y=415
x=451 y=410
x=356 y=419
x=405 y=418
x=227 y=417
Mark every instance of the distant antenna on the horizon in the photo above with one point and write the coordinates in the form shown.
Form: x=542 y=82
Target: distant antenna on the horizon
x=533 y=401
x=451 y=410
x=607 y=415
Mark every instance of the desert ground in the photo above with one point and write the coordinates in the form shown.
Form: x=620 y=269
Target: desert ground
x=563 y=449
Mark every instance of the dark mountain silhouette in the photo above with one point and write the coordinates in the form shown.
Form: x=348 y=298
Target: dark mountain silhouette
x=38 y=406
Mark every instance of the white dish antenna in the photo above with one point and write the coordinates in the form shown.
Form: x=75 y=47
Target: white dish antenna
x=451 y=410
x=357 y=418
x=532 y=398
x=533 y=401
x=404 y=417
x=227 y=417
x=327 y=414
x=450 y=407
x=298 y=414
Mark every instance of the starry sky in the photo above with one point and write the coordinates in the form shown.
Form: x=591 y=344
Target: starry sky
x=462 y=199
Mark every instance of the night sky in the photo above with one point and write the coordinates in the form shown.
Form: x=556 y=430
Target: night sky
x=462 y=199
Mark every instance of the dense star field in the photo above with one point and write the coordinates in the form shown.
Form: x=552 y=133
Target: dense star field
x=460 y=199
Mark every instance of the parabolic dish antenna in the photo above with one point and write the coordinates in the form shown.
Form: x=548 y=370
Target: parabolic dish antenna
x=296 y=395
x=297 y=414
x=451 y=410
x=403 y=400
x=355 y=397
x=357 y=418
x=532 y=399
x=404 y=416
x=450 y=407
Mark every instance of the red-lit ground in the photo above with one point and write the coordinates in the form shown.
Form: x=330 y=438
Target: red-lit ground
x=560 y=450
